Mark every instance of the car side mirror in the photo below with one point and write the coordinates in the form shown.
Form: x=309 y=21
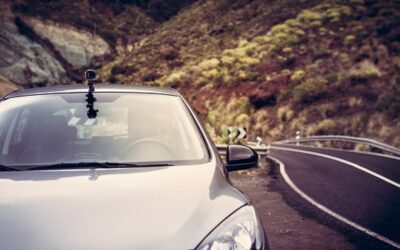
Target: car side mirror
x=240 y=157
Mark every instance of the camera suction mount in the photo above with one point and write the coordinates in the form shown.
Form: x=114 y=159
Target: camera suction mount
x=90 y=76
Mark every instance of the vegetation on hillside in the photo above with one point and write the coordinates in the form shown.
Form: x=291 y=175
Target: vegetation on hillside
x=274 y=67
x=321 y=67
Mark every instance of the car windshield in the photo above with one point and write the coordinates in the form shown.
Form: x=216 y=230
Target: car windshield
x=129 y=128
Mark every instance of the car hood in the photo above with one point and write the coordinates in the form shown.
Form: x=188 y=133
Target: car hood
x=141 y=208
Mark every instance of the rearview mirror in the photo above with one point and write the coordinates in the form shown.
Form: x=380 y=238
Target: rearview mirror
x=239 y=157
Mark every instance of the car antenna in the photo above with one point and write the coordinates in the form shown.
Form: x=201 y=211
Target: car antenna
x=90 y=77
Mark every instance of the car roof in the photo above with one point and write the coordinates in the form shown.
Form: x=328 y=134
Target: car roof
x=99 y=88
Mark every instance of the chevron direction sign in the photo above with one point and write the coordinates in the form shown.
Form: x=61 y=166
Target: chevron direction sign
x=236 y=133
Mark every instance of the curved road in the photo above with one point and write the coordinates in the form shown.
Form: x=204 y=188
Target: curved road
x=362 y=188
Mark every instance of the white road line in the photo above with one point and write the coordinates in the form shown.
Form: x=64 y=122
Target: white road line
x=327 y=210
x=345 y=150
x=383 y=178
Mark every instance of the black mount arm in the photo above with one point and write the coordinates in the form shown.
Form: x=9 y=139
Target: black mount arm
x=90 y=76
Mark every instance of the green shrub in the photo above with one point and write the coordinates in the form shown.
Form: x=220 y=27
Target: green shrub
x=212 y=118
x=242 y=120
x=310 y=90
x=211 y=130
x=239 y=105
x=285 y=114
x=208 y=87
x=287 y=50
x=227 y=61
x=249 y=60
x=210 y=74
x=298 y=75
x=280 y=28
x=243 y=43
x=334 y=14
x=309 y=16
x=344 y=57
x=282 y=39
x=235 y=53
x=349 y=39
x=251 y=48
x=175 y=78
x=327 y=126
x=357 y=28
x=315 y=24
x=262 y=40
x=242 y=75
x=297 y=123
x=364 y=71
x=260 y=116
x=209 y=64
x=285 y=34
x=294 y=23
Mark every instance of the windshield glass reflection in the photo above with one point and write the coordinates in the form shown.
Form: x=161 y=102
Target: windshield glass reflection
x=135 y=128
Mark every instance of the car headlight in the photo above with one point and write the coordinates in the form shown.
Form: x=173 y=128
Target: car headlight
x=240 y=231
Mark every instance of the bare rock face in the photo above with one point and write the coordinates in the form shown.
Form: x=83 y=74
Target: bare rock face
x=6 y=86
x=26 y=62
x=74 y=45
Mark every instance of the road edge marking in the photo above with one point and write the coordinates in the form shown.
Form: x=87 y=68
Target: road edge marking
x=383 y=178
x=327 y=210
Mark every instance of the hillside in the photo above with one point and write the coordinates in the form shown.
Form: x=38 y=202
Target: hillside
x=321 y=67
x=274 y=67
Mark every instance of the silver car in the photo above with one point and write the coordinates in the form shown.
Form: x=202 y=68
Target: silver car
x=138 y=172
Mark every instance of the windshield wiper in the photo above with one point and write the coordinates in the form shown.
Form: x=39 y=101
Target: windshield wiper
x=98 y=165
x=7 y=168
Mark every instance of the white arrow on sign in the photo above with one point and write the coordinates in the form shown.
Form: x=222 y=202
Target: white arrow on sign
x=242 y=133
x=236 y=133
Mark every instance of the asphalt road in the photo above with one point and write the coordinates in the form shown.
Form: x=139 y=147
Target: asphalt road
x=368 y=196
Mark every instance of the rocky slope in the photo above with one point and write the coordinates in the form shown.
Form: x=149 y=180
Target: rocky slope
x=274 y=67
x=52 y=42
